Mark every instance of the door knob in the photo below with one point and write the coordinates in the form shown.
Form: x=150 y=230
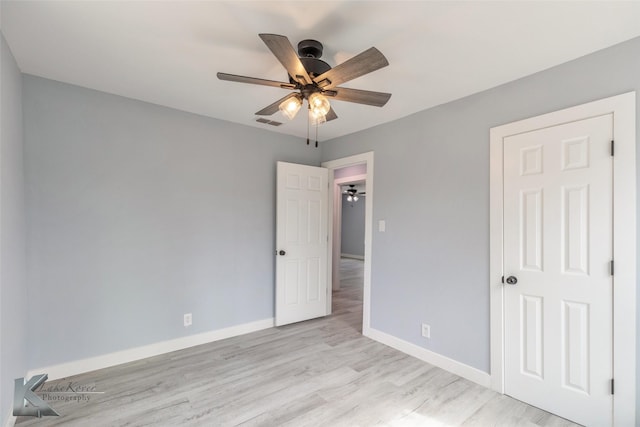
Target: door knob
x=282 y=252
x=512 y=280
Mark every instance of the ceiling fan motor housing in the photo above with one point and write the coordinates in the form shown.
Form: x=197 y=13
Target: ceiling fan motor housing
x=309 y=52
x=310 y=49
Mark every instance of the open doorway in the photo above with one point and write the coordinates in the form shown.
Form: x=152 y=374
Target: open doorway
x=350 y=276
x=349 y=226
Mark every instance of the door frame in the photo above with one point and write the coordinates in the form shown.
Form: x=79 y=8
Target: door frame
x=334 y=191
x=332 y=165
x=622 y=107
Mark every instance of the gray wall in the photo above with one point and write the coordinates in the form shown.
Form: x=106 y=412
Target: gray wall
x=352 y=241
x=139 y=214
x=432 y=263
x=13 y=284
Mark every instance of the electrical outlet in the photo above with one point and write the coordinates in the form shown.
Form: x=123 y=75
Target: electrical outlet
x=426 y=330
x=188 y=319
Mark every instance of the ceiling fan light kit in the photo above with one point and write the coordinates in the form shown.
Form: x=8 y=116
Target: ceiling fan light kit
x=290 y=107
x=316 y=119
x=318 y=104
x=314 y=80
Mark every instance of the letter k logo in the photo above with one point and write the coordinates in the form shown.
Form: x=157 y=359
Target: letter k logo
x=24 y=391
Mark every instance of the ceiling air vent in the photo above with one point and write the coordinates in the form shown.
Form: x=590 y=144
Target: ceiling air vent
x=268 y=122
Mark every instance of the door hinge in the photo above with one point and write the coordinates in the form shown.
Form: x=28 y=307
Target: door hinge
x=612 y=386
x=612 y=267
x=612 y=149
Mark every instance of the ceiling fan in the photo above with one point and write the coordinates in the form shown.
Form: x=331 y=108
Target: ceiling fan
x=313 y=80
x=352 y=193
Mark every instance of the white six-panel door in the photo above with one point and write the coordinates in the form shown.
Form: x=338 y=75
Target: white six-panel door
x=301 y=242
x=558 y=247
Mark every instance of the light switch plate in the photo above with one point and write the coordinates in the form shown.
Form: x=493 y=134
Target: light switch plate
x=382 y=225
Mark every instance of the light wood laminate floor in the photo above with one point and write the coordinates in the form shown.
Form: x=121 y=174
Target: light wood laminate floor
x=321 y=372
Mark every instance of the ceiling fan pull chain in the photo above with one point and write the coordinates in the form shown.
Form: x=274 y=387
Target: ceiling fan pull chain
x=308 y=118
x=316 y=135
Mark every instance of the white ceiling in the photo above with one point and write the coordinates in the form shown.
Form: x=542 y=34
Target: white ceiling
x=168 y=52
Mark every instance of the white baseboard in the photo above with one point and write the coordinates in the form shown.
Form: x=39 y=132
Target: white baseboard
x=453 y=366
x=11 y=421
x=76 y=367
x=352 y=256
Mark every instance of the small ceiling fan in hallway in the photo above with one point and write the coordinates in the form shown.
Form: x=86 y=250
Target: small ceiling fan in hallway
x=353 y=193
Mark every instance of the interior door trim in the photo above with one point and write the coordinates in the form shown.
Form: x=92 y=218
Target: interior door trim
x=624 y=245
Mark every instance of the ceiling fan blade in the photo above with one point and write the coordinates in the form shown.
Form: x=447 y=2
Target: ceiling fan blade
x=255 y=81
x=377 y=99
x=331 y=115
x=273 y=108
x=366 y=62
x=283 y=50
